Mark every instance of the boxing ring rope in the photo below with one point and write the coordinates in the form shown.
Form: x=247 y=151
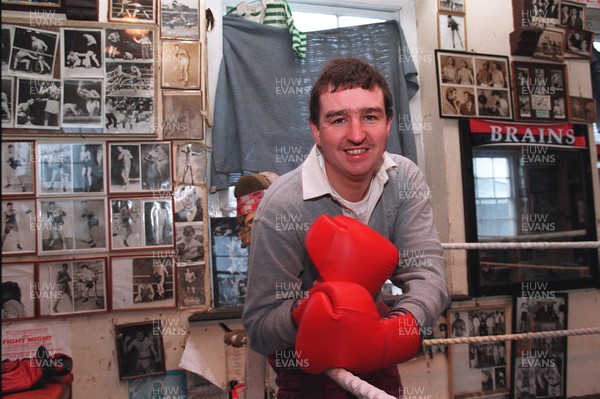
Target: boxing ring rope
x=364 y=390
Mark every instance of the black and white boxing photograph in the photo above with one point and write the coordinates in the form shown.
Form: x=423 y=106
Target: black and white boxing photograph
x=8 y=101
x=82 y=105
x=124 y=168
x=88 y=168
x=82 y=52
x=189 y=160
x=129 y=45
x=18 y=227
x=180 y=116
x=55 y=226
x=179 y=19
x=126 y=223
x=90 y=224
x=129 y=115
x=156 y=166
x=33 y=52
x=140 y=349
x=131 y=11
x=7 y=32
x=54 y=168
x=158 y=223
x=144 y=282
x=38 y=103
x=18 y=168
x=130 y=79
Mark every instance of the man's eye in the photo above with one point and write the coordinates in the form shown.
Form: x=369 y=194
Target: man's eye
x=338 y=121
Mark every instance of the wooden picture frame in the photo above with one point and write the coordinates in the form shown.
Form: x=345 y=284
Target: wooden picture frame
x=180 y=20
x=473 y=85
x=578 y=43
x=189 y=160
x=72 y=287
x=142 y=167
x=18 y=291
x=144 y=282
x=452 y=31
x=572 y=15
x=539 y=365
x=18 y=227
x=550 y=46
x=134 y=12
x=480 y=370
x=18 y=172
x=71 y=225
x=143 y=359
x=540 y=92
x=451 y=5
x=532 y=14
x=583 y=109
x=180 y=117
x=68 y=168
x=181 y=64
x=43 y=6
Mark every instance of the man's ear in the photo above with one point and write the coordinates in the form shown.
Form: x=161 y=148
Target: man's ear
x=315 y=132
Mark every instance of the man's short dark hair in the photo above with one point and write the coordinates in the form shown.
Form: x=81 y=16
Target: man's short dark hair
x=343 y=73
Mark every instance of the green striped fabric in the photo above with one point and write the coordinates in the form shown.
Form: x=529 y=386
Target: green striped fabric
x=276 y=13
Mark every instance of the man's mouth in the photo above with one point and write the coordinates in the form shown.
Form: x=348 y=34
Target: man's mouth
x=356 y=151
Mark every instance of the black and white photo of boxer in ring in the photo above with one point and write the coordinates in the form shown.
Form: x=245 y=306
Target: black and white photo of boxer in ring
x=38 y=103
x=33 y=52
x=82 y=52
x=82 y=103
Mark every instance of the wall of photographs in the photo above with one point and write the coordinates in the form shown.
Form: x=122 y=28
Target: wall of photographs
x=104 y=179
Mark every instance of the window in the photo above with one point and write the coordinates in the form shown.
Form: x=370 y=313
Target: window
x=494 y=197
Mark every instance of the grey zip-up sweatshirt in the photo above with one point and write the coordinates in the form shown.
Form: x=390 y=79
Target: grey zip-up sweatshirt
x=280 y=270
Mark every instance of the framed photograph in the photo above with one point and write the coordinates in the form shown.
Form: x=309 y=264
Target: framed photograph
x=181 y=61
x=82 y=103
x=180 y=117
x=66 y=226
x=38 y=103
x=583 y=109
x=72 y=287
x=473 y=85
x=18 y=291
x=18 y=172
x=33 y=52
x=68 y=168
x=129 y=115
x=189 y=160
x=82 y=52
x=8 y=101
x=135 y=45
x=38 y=6
x=536 y=14
x=549 y=46
x=230 y=263
x=179 y=19
x=540 y=91
x=452 y=31
x=7 y=34
x=18 y=227
x=572 y=15
x=130 y=79
x=191 y=285
x=451 y=5
x=144 y=282
x=480 y=370
x=189 y=203
x=144 y=222
x=140 y=167
x=189 y=243
x=135 y=12
x=539 y=364
x=140 y=350
x=578 y=43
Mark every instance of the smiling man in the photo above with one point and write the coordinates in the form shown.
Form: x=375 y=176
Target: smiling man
x=348 y=172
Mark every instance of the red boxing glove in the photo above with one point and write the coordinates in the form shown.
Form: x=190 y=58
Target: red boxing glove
x=344 y=249
x=341 y=328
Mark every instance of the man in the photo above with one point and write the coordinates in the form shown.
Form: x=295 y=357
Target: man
x=500 y=104
x=89 y=281
x=63 y=282
x=125 y=157
x=11 y=224
x=348 y=172
x=145 y=351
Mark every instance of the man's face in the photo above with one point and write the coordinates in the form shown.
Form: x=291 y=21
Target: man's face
x=352 y=132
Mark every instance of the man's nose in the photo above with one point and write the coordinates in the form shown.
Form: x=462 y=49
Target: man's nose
x=356 y=131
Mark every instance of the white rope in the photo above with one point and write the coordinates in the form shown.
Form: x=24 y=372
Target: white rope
x=356 y=386
x=521 y=245
x=511 y=337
